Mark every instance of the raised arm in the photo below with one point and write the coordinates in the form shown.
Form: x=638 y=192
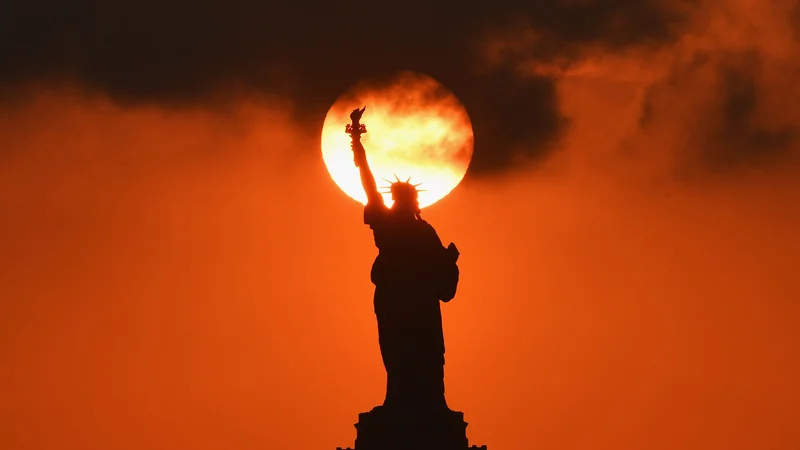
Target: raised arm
x=360 y=158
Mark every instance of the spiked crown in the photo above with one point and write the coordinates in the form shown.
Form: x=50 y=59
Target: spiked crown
x=401 y=189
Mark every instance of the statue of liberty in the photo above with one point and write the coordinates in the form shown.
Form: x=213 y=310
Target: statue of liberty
x=412 y=273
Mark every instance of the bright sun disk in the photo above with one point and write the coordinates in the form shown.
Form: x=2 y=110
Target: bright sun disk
x=415 y=128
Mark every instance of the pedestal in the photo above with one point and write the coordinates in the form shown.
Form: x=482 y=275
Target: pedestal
x=384 y=429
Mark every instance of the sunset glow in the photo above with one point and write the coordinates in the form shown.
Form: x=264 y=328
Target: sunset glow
x=186 y=264
x=415 y=128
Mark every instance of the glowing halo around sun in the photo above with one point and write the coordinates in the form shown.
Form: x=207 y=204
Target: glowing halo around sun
x=415 y=128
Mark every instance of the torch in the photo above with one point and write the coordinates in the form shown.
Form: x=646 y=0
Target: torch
x=355 y=130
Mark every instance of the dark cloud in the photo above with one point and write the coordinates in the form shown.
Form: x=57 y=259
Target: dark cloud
x=735 y=123
x=746 y=140
x=726 y=134
x=186 y=51
x=710 y=89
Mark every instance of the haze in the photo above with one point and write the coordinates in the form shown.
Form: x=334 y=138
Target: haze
x=180 y=272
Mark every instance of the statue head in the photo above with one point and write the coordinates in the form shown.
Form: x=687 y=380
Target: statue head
x=405 y=196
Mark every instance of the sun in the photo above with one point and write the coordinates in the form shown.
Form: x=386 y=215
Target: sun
x=415 y=128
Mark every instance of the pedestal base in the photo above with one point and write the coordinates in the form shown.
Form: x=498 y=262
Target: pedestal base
x=384 y=429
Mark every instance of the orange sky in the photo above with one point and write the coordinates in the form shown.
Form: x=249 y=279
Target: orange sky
x=193 y=279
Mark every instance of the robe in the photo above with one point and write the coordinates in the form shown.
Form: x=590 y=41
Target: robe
x=412 y=273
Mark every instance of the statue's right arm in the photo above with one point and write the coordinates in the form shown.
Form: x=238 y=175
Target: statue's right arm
x=374 y=197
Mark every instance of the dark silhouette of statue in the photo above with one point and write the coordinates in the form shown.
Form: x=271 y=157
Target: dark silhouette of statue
x=412 y=273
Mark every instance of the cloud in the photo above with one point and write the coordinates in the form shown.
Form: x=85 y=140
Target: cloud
x=719 y=96
x=179 y=271
x=180 y=53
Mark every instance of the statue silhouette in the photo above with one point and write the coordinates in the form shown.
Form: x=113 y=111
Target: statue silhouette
x=412 y=273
